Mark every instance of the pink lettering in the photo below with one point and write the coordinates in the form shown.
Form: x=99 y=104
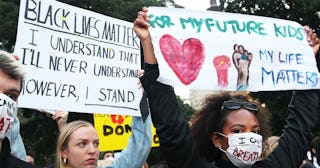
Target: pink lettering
x=1 y=124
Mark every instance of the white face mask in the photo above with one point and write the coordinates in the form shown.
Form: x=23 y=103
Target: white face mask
x=110 y=158
x=7 y=109
x=244 y=148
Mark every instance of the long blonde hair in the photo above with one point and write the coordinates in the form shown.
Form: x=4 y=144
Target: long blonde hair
x=63 y=140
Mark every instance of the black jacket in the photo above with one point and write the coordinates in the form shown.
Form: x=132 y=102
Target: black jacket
x=9 y=161
x=178 y=146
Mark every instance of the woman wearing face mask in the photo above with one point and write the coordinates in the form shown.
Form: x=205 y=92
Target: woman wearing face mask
x=226 y=130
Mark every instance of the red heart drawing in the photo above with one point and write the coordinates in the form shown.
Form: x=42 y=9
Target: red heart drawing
x=185 y=60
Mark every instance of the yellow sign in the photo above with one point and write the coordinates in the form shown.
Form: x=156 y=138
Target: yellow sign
x=115 y=130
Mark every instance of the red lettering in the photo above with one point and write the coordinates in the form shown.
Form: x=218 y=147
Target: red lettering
x=235 y=151
x=9 y=125
x=1 y=124
x=245 y=155
x=117 y=119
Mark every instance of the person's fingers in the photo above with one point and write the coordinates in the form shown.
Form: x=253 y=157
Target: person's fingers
x=140 y=22
x=144 y=9
x=308 y=32
x=141 y=73
x=15 y=56
x=60 y=114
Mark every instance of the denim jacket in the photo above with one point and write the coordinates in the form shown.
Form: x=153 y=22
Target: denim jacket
x=16 y=144
x=139 y=145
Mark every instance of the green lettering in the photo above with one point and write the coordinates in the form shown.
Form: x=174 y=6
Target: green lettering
x=277 y=31
x=300 y=33
x=198 y=24
x=184 y=22
x=209 y=24
x=232 y=22
x=219 y=27
x=161 y=21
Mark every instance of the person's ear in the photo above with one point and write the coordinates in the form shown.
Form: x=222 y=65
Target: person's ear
x=216 y=140
x=313 y=150
x=64 y=153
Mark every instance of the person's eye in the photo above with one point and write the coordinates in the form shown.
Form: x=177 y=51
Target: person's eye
x=12 y=96
x=81 y=144
x=256 y=131
x=96 y=144
x=237 y=131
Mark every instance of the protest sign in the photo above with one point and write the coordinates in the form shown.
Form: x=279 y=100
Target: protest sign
x=227 y=51
x=115 y=130
x=77 y=60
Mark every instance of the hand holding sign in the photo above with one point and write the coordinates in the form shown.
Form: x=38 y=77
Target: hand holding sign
x=312 y=39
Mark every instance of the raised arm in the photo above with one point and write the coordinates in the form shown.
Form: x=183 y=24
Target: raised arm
x=141 y=29
x=139 y=143
x=300 y=124
x=176 y=143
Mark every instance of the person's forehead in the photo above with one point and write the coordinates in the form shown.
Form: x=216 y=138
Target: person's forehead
x=84 y=133
x=8 y=83
x=241 y=116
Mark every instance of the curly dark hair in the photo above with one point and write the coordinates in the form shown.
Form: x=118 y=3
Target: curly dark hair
x=210 y=119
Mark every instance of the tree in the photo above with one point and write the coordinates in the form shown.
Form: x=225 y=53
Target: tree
x=301 y=11
x=39 y=133
x=8 y=23
x=122 y=9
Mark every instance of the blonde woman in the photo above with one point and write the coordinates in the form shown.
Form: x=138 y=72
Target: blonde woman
x=77 y=146
x=78 y=142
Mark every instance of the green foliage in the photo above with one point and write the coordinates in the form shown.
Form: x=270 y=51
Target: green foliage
x=121 y=9
x=277 y=103
x=185 y=108
x=8 y=23
x=301 y=11
x=39 y=133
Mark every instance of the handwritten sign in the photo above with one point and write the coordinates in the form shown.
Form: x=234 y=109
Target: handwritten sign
x=115 y=130
x=77 y=60
x=226 y=51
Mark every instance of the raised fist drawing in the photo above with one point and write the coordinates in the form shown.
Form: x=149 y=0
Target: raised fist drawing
x=222 y=63
x=242 y=59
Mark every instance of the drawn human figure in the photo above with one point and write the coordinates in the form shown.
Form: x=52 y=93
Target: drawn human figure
x=242 y=59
